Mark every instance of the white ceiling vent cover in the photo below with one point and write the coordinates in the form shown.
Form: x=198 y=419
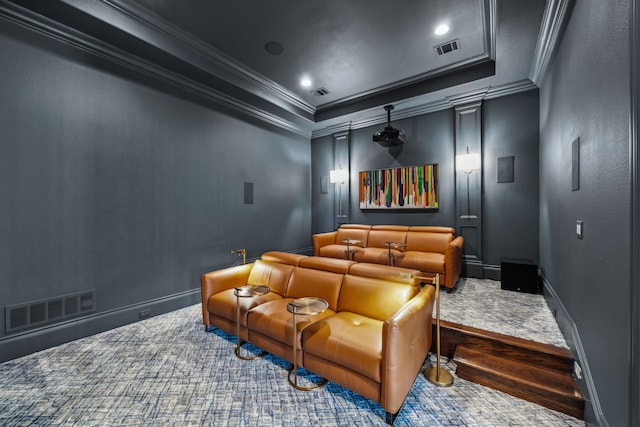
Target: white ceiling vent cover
x=320 y=92
x=447 y=47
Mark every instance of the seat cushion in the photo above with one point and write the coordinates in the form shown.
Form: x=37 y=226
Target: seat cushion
x=336 y=251
x=375 y=255
x=274 y=320
x=423 y=261
x=349 y=340
x=223 y=304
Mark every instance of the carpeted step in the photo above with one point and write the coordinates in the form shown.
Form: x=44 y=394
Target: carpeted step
x=535 y=383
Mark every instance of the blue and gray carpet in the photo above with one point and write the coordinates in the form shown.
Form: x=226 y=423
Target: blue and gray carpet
x=166 y=371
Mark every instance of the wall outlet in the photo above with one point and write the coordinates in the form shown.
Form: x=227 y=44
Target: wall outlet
x=579 y=226
x=577 y=370
x=143 y=314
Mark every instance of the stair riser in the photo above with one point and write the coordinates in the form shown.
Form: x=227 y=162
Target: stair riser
x=541 y=396
x=451 y=338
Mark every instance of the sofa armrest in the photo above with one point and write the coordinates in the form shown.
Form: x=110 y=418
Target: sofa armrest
x=453 y=261
x=323 y=239
x=216 y=281
x=406 y=340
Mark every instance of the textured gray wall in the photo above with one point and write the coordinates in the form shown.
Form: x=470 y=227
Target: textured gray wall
x=109 y=183
x=586 y=94
x=510 y=209
x=323 y=203
x=429 y=140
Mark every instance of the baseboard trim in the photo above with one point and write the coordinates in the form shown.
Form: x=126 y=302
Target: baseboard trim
x=479 y=270
x=473 y=269
x=492 y=272
x=22 y=344
x=593 y=411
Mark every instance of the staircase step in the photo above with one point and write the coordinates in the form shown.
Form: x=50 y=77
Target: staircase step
x=550 y=356
x=532 y=382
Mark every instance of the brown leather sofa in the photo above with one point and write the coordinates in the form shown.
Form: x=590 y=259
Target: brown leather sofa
x=372 y=339
x=430 y=249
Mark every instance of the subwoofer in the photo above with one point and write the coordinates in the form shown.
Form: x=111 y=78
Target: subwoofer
x=519 y=275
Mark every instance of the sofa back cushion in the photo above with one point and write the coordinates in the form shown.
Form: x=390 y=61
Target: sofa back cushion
x=327 y=264
x=391 y=227
x=273 y=274
x=378 y=237
x=374 y=298
x=353 y=231
x=307 y=282
x=386 y=272
x=282 y=257
x=429 y=239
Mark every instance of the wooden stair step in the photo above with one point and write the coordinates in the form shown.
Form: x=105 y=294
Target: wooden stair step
x=532 y=382
x=550 y=356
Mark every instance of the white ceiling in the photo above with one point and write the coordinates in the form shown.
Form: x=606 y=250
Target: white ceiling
x=365 y=53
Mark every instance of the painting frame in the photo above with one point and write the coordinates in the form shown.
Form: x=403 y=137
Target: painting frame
x=400 y=188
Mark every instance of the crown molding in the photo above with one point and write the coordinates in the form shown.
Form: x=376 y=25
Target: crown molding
x=556 y=14
x=245 y=76
x=142 y=24
x=443 y=71
x=93 y=46
x=510 y=89
x=466 y=98
x=452 y=101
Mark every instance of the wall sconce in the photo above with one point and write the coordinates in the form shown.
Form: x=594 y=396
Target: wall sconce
x=241 y=252
x=467 y=163
x=339 y=176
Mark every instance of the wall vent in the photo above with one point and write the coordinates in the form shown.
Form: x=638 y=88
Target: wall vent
x=320 y=92
x=447 y=47
x=19 y=317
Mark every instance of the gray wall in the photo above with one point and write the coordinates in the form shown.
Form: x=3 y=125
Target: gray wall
x=510 y=210
x=430 y=139
x=113 y=182
x=322 y=202
x=586 y=94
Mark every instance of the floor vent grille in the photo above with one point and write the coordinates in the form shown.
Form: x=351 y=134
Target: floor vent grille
x=34 y=314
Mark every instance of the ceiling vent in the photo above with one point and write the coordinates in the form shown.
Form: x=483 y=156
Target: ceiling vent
x=447 y=47
x=320 y=92
x=389 y=136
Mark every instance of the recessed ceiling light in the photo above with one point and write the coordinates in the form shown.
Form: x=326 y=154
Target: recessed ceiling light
x=305 y=82
x=442 y=29
x=274 y=48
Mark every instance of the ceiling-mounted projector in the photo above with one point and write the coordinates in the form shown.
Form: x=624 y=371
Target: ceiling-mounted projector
x=389 y=136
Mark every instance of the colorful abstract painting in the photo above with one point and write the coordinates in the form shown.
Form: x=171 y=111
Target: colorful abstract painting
x=412 y=187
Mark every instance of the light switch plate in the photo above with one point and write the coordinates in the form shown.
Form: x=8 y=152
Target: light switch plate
x=579 y=229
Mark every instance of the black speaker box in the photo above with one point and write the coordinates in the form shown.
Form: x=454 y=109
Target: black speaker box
x=519 y=275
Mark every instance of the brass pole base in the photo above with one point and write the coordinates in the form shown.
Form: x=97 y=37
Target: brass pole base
x=238 y=352
x=295 y=384
x=438 y=376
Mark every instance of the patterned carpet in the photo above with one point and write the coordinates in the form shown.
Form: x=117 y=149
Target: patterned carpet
x=166 y=371
x=482 y=304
